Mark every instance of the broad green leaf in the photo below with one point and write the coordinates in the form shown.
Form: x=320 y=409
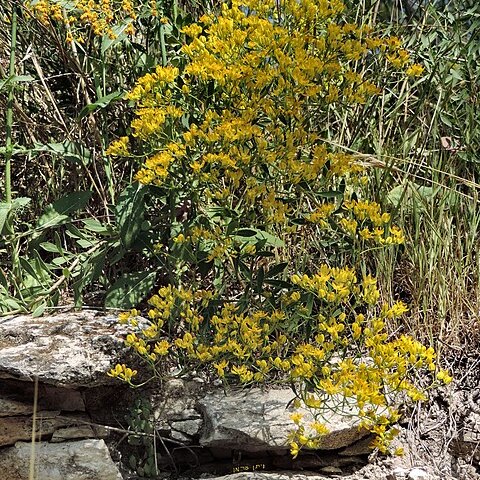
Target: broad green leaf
x=95 y=226
x=129 y=213
x=260 y=278
x=10 y=304
x=246 y=232
x=252 y=235
x=50 y=247
x=39 y=310
x=120 y=36
x=90 y=270
x=276 y=269
x=6 y=208
x=100 y=103
x=58 y=212
x=20 y=202
x=72 y=151
x=278 y=283
x=130 y=290
x=84 y=243
x=3 y=280
x=330 y=194
x=27 y=267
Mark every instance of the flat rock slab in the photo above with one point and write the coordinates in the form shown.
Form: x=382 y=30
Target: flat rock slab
x=80 y=460
x=256 y=420
x=73 y=349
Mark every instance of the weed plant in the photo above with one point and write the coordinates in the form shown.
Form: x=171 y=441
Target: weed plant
x=235 y=159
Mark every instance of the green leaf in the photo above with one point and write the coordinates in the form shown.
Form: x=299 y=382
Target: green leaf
x=11 y=304
x=58 y=212
x=276 y=269
x=90 y=270
x=72 y=151
x=84 y=243
x=20 y=202
x=95 y=226
x=27 y=266
x=118 y=30
x=130 y=290
x=260 y=278
x=129 y=213
x=15 y=79
x=330 y=194
x=245 y=270
x=38 y=312
x=278 y=283
x=246 y=232
x=253 y=235
x=5 y=209
x=100 y=103
x=50 y=247
x=3 y=280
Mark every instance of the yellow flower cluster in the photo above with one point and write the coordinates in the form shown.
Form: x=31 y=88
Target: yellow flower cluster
x=269 y=77
x=365 y=220
x=122 y=372
x=335 y=346
x=104 y=17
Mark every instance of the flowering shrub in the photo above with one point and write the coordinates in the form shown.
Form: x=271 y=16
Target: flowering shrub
x=233 y=152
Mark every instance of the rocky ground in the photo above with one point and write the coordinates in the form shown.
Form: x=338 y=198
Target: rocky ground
x=81 y=419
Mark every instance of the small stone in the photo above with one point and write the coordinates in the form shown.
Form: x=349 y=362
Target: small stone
x=189 y=427
x=398 y=473
x=180 y=437
x=329 y=469
x=418 y=474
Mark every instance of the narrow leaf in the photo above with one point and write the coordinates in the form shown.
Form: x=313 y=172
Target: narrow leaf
x=130 y=290
x=129 y=213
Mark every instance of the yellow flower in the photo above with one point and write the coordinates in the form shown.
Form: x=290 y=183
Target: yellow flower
x=161 y=348
x=414 y=70
x=444 y=377
x=296 y=417
x=294 y=449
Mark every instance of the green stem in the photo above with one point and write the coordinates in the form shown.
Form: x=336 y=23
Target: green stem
x=175 y=11
x=14 y=243
x=9 y=113
x=162 y=45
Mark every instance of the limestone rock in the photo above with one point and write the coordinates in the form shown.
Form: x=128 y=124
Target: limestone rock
x=73 y=433
x=72 y=349
x=80 y=460
x=255 y=420
x=16 y=398
x=17 y=428
x=188 y=427
x=13 y=429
